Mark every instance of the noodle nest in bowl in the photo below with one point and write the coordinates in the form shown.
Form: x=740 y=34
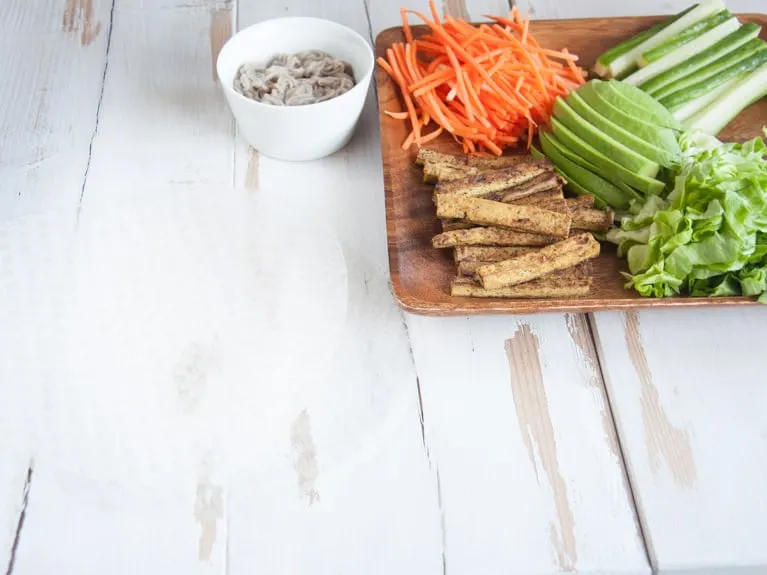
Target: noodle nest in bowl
x=295 y=79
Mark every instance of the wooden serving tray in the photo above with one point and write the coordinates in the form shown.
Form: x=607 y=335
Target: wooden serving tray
x=421 y=275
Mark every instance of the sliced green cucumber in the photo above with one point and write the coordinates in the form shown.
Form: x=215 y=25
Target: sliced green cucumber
x=684 y=53
x=749 y=64
x=636 y=103
x=603 y=62
x=716 y=116
x=620 y=65
x=685 y=36
x=730 y=43
x=712 y=70
x=582 y=178
x=607 y=168
x=663 y=157
x=693 y=107
x=609 y=146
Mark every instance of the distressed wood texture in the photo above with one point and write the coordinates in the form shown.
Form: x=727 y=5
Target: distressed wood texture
x=525 y=487
x=688 y=394
x=169 y=403
x=197 y=411
x=47 y=120
x=367 y=499
x=605 y=8
x=687 y=390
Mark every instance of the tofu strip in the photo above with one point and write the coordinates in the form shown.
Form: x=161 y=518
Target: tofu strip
x=527 y=267
x=488 y=182
x=559 y=284
x=543 y=200
x=536 y=198
x=488 y=254
x=433 y=172
x=468 y=268
x=483 y=236
x=451 y=225
x=546 y=182
x=426 y=155
x=528 y=219
x=592 y=220
x=583 y=201
x=558 y=205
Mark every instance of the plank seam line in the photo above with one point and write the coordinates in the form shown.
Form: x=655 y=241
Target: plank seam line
x=20 y=523
x=235 y=29
x=433 y=465
x=369 y=22
x=373 y=46
x=98 y=106
x=646 y=544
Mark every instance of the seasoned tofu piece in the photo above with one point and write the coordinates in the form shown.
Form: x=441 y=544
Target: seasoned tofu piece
x=529 y=219
x=527 y=267
x=566 y=283
x=495 y=180
x=490 y=236
x=592 y=220
x=427 y=155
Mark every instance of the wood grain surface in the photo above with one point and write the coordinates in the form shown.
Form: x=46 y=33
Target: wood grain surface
x=168 y=408
x=421 y=275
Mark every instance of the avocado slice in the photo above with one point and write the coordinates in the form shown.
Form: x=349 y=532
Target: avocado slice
x=581 y=178
x=657 y=136
x=665 y=158
x=641 y=98
x=575 y=158
x=607 y=168
x=636 y=103
x=570 y=185
x=609 y=147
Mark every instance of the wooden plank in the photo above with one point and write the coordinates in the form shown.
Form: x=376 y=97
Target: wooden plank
x=47 y=120
x=14 y=474
x=121 y=479
x=667 y=389
x=163 y=120
x=177 y=321
x=499 y=396
x=75 y=524
x=365 y=497
x=385 y=14
x=605 y=8
x=687 y=392
x=516 y=464
x=46 y=126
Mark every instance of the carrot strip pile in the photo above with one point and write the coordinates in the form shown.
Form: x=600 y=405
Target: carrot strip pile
x=488 y=86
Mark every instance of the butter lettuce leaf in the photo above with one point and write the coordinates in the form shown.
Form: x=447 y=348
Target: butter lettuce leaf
x=708 y=235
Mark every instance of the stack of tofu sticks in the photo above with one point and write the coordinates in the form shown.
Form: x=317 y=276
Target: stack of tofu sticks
x=513 y=233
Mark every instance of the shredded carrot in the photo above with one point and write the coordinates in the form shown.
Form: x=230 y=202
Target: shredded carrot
x=489 y=86
x=397 y=115
x=406 y=26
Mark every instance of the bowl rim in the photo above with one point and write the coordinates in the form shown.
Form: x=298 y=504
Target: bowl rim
x=360 y=85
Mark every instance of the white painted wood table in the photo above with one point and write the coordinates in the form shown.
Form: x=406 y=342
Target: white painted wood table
x=170 y=404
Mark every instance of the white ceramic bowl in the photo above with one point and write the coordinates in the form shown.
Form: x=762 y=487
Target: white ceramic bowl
x=296 y=133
